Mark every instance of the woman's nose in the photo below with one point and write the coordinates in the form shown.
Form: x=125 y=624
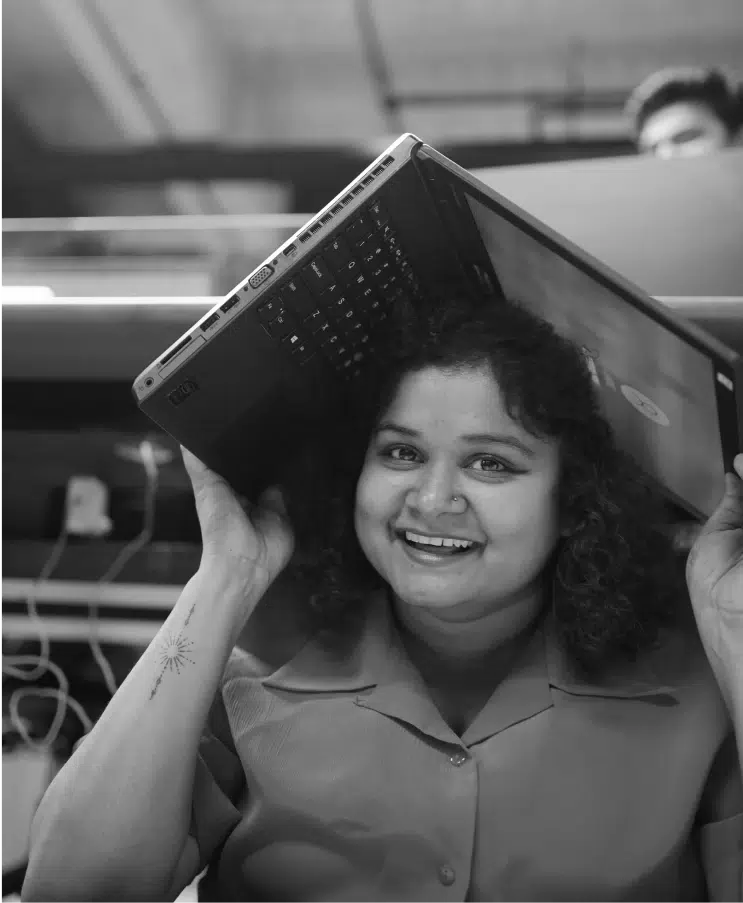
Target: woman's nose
x=434 y=493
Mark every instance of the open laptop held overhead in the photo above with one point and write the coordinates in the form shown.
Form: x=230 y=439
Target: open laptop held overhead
x=243 y=386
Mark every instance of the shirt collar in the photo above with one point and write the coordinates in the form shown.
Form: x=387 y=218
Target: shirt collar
x=368 y=658
x=654 y=674
x=347 y=659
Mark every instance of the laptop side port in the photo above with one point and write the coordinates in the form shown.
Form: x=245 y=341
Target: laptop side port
x=230 y=303
x=265 y=272
x=172 y=353
x=209 y=322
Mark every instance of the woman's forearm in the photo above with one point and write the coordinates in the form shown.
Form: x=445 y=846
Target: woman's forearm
x=114 y=820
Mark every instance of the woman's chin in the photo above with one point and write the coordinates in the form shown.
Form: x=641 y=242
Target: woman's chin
x=429 y=594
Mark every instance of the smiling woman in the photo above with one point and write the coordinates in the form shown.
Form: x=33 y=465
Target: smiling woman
x=492 y=695
x=480 y=423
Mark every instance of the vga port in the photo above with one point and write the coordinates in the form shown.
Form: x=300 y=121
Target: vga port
x=257 y=278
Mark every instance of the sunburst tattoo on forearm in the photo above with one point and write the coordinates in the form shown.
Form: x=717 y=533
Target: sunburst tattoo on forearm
x=174 y=653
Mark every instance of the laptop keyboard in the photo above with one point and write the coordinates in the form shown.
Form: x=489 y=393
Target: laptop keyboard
x=333 y=308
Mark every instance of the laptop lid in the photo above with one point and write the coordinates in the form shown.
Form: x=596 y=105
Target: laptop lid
x=690 y=208
x=671 y=392
x=270 y=366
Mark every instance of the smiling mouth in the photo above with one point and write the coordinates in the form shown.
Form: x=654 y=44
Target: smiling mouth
x=434 y=549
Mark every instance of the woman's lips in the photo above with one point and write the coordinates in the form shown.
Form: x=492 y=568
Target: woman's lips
x=434 y=558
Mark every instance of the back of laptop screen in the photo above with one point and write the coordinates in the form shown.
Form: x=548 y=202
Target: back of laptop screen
x=657 y=390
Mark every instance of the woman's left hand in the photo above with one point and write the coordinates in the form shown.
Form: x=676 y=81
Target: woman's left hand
x=714 y=574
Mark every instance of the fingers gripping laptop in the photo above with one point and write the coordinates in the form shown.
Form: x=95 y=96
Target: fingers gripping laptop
x=264 y=367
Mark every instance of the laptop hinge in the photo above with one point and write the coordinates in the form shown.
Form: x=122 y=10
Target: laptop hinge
x=473 y=275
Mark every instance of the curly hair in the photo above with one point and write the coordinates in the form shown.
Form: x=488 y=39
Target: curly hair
x=673 y=85
x=613 y=581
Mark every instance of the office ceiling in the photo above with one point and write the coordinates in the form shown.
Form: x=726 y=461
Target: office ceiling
x=122 y=75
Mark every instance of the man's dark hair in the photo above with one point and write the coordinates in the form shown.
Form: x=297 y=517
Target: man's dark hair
x=675 y=85
x=613 y=581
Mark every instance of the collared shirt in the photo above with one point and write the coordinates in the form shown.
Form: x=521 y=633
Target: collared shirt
x=335 y=777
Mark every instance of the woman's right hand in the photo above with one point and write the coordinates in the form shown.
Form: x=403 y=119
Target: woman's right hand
x=247 y=541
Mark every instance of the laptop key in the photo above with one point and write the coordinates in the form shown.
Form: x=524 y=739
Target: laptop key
x=336 y=253
x=355 y=328
x=339 y=306
x=378 y=214
x=295 y=296
x=361 y=339
x=293 y=340
x=373 y=251
x=389 y=238
x=269 y=309
x=366 y=296
x=333 y=291
x=349 y=270
x=359 y=229
x=314 y=321
x=345 y=318
x=280 y=326
x=325 y=329
x=386 y=233
x=335 y=350
x=317 y=275
x=302 y=352
x=358 y=282
x=378 y=317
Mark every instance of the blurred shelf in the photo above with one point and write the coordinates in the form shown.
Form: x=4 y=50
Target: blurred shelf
x=159 y=566
x=128 y=614
x=84 y=593
x=124 y=632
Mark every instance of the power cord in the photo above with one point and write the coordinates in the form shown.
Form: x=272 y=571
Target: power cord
x=15 y=665
x=149 y=461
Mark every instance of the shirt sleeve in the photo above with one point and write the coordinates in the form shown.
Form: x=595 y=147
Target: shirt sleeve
x=219 y=783
x=720 y=828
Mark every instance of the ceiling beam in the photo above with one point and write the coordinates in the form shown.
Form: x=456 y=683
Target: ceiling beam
x=131 y=68
x=315 y=174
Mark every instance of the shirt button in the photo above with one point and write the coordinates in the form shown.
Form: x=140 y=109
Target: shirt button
x=447 y=875
x=458 y=758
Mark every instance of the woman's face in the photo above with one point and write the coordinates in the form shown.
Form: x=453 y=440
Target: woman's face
x=447 y=464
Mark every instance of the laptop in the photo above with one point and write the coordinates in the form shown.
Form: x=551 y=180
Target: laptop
x=278 y=357
x=689 y=205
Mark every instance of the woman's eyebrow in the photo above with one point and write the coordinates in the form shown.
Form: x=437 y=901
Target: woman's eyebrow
x=511 y=441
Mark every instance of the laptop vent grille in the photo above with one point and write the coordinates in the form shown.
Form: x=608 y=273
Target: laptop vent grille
x=305 y=236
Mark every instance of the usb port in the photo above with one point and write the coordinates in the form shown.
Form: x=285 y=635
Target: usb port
x=230 y=303
x=290 y=250
x=209 y=322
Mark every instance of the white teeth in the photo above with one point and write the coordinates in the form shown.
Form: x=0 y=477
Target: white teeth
x=438 y=541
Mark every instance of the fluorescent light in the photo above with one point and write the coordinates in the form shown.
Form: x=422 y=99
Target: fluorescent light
x=174 y=223
x=24 y=294
x=154 y=301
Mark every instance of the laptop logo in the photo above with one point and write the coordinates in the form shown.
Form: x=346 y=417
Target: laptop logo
x=181 y=393
x=644 y=405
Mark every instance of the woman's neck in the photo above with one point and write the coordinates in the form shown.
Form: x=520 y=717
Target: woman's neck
x=464 y=645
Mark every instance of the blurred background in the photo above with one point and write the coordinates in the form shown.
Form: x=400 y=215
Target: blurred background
x=155 y=152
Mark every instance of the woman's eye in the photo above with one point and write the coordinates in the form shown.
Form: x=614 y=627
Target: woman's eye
x=490 y=465
x=400 y=453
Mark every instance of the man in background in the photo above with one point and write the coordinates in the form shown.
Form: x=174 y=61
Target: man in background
x=685 y=112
